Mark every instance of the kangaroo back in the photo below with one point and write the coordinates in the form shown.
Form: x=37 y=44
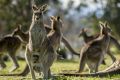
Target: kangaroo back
x=24 y=36
x=55 y=35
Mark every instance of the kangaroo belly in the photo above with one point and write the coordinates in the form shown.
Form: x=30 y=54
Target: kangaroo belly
x=38 y=67
x=55 y=41
x=37 y=60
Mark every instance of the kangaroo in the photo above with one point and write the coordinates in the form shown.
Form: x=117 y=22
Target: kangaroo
x=9 y=44
x=24 y=37
x=55 y=35
x=40 y=54
x=89 y=38
x=93 y=52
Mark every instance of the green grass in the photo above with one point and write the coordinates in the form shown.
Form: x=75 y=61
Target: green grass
x=58 y=67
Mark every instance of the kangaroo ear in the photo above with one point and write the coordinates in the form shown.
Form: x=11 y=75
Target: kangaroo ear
x=105 y=24
x=44 y=7
x=34 y=8
x=52 y=18
x=101 y=24
x=58 y=18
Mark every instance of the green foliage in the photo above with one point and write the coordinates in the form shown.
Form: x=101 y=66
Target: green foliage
x=14 y=12
x=40 y=2
x=112 y=12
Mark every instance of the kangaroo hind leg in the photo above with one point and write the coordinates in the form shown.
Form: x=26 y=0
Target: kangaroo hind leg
x=15 y=62
x=2 y=64
x=29 y=62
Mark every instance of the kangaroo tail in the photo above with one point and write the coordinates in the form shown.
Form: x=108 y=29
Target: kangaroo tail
x=67 y=44
x=115 y=41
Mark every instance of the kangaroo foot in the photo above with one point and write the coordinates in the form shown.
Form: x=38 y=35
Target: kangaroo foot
x=14 y=68
x=2 y=66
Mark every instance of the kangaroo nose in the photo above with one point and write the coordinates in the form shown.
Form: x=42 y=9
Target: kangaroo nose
x=37 y=18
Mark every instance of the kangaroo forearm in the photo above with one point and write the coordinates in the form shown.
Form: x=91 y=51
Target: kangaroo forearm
x=64 y=40
x=115 y=41
x=111 y=55
x=47 y=28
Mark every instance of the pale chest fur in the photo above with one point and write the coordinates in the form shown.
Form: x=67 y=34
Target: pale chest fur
x=37 y=36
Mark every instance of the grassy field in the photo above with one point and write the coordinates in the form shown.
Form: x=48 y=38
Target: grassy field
x=57 y=67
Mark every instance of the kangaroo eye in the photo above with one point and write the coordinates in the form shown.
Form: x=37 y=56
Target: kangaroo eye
x=36 y=14
x=40 y=13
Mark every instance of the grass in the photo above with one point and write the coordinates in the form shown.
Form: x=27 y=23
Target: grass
x=57 y=67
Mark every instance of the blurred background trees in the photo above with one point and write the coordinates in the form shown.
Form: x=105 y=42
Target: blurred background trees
x=75 y=14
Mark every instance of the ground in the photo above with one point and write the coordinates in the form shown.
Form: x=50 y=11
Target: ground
x=59 y=66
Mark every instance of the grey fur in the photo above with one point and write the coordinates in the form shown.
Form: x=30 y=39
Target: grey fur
x=87 y=39
x=93 y=52
x=39 y=45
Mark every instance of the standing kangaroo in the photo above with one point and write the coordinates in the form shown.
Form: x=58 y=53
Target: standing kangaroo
x=93 y=52
x=9 y=44
x=39 y=51
x=55 y=36
x=90 y=38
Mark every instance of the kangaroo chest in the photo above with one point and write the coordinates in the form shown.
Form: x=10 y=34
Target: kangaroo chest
x=37 y=37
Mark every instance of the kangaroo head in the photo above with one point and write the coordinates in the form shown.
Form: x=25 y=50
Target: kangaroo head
x=82 y=32
x=56 y=22
x=105 y=29
x=17 y=31
x=38 y=12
